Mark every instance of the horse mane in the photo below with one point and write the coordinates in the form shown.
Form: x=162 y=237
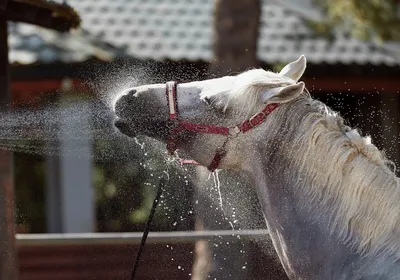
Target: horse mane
x=344 y=176
x=240 y=93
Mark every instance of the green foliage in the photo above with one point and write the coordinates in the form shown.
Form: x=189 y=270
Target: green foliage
x=363 y=19
x=29 y=179
x=126 y=186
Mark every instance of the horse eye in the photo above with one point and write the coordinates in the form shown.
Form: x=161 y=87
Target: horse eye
x=207 y=100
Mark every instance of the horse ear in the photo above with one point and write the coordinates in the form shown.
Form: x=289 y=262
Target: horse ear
x=282 y=94
x=294 y=70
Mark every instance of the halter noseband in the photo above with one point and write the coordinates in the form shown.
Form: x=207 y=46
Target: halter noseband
x=176 y=126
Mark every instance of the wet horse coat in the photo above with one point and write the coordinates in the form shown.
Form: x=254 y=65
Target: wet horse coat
x=330 y=198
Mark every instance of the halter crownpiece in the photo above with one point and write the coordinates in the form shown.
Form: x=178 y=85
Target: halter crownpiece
x=176 y=126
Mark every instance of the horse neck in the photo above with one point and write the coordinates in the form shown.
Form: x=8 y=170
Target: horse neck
x=318 y=173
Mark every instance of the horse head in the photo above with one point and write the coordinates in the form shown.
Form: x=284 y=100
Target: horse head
x=224 y=102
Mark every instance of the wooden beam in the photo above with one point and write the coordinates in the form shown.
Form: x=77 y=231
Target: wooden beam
x=36 y=86
x=26 y=93
x=8 y=256
x=48 y=14
x=352 y=84
x=3 y=5
x=390 y=127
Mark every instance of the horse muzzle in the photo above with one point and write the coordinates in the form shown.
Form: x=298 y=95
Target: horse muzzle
x=125 y=105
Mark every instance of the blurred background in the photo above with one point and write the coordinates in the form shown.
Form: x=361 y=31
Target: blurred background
x=68 y=170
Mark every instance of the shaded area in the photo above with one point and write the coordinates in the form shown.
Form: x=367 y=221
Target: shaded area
x=48 y=14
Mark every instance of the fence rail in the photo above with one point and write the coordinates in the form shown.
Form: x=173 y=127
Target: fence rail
x=167 y=256
x=132 y=237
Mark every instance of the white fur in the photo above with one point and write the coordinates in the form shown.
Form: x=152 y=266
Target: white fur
x=337 y=164
x=343 y=175
x=295 y=69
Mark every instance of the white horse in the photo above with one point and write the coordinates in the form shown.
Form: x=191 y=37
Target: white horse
x=330 y=198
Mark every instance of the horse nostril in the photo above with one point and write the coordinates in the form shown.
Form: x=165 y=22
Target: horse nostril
x=124 y=102
x=132 y=92
x=207 y=100
x=128 y=97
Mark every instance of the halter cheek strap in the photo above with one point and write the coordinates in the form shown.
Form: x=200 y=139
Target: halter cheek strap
x=172 y=117
x=176 y=126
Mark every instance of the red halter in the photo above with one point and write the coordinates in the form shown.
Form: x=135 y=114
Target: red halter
x=177 y=125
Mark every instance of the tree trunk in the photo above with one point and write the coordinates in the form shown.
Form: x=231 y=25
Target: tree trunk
x=236 y=25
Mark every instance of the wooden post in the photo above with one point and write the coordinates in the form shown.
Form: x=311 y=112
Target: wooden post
x=8 y=255
x=3 y=5
x=390 y=105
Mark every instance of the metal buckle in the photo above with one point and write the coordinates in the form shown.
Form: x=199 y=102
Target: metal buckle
x=257 y=119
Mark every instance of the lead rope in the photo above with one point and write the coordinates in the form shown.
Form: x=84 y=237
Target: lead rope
x=147 y=227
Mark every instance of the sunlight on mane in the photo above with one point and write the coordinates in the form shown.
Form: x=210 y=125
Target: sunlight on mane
x=345 y=177
x=241 y=93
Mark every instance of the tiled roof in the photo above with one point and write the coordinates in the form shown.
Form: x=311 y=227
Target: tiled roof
x=31 y=44
x=182 y=29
